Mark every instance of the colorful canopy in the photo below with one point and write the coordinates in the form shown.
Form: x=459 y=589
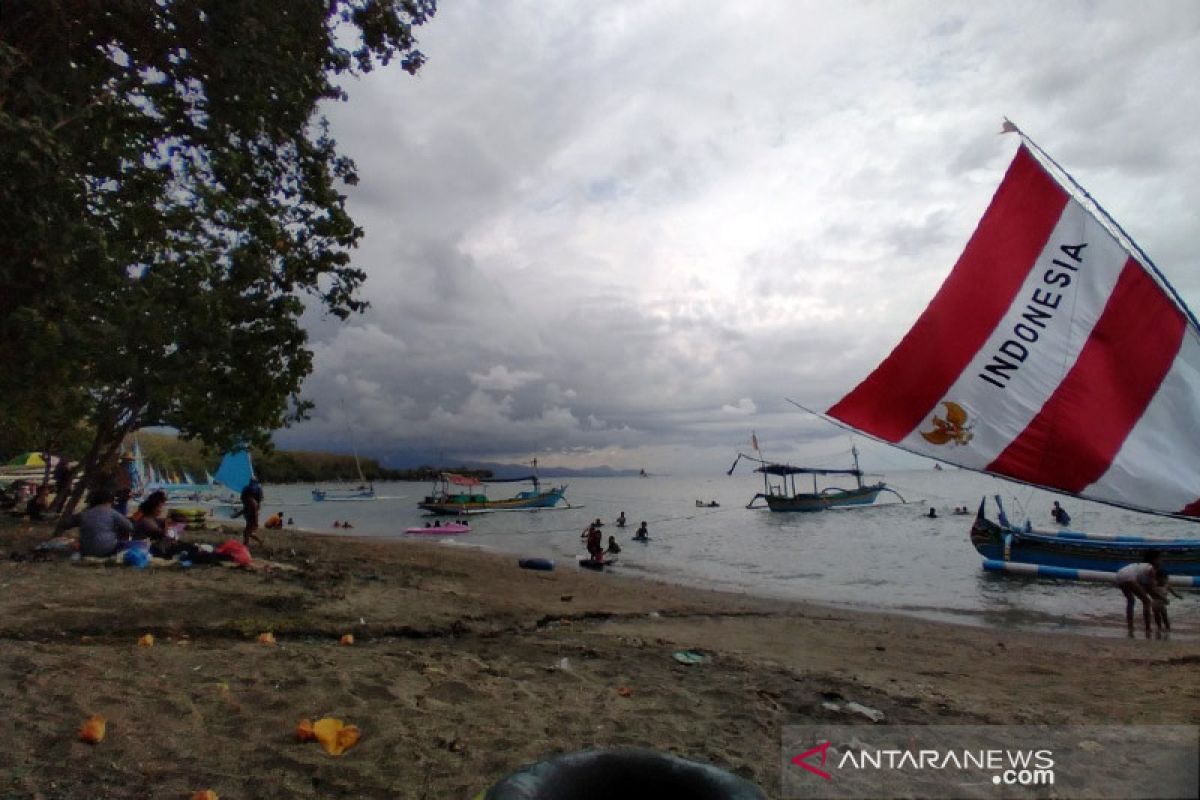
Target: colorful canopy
x=30 y=459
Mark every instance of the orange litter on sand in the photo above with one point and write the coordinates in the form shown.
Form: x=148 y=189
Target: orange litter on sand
x=625 y=691
x=266 y=638
x=334 y=735
x=205 y=794
x=92 y=730
x=147 y=640
x=347 y=639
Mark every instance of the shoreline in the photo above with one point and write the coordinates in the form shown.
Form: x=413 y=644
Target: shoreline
x=1184 y=629
x=464 y=667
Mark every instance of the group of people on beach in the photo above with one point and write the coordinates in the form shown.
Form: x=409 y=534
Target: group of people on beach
x=149 y=531
x=105 y=528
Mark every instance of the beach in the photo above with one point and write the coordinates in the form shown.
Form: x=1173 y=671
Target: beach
x=464 y=667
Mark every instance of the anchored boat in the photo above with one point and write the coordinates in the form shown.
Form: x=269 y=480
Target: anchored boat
x=1057 y=355
x=363 y=491
x=469 y=495
x=784 y=497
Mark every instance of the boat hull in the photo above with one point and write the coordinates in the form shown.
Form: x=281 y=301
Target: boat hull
x=335 y=496
x=831 y=498
x=453 y=505
x=1072 y=550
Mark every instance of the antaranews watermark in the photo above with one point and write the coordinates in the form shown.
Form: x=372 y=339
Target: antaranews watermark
x=990 y=761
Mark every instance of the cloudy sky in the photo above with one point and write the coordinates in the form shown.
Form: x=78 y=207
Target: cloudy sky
x=622 y=233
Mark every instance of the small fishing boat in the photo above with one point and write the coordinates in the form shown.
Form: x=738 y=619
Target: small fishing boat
x=784 y=496
x=448 y=529
x=363 y=491
x=1057 y=355
x=471 y=497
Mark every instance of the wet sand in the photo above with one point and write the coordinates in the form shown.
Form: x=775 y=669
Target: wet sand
x=464 y=667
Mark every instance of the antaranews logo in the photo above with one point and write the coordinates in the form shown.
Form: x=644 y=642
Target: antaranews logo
x=1010 y=767
x=802 y=760
x=992 y=761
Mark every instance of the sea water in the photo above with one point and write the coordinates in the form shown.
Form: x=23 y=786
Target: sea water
x=889 y=556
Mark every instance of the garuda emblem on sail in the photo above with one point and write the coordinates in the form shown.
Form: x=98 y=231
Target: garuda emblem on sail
x=954 y=428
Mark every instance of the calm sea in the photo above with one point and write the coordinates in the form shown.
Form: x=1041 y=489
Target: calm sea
x=889 y=556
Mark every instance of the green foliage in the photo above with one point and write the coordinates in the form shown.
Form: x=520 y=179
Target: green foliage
x=170 y=203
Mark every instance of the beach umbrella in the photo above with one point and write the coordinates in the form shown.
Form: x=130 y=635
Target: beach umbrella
x=29 y=459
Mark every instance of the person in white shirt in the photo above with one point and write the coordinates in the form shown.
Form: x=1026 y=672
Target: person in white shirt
x=1136 y=582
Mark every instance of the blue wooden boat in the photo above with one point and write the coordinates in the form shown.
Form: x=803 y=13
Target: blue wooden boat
x=1074 y=550
x=342 y=495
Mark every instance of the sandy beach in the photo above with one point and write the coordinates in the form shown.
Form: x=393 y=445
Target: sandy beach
x=465 y=667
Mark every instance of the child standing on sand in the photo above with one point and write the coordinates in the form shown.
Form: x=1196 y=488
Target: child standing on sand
x=1160 y=591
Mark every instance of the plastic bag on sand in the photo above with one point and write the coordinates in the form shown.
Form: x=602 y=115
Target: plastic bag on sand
x=136 y=557
x=237 y=552
x=334 y=735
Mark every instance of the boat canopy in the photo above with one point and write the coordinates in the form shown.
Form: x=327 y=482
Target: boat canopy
x=461 y=480
x=471 y=481
x=526 y=479
x=787 y=469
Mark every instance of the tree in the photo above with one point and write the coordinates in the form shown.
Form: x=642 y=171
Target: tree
x=170 y=203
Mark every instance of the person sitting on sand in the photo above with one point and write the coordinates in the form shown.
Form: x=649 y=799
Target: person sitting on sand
x=932 y=513
x=149 y=521
x=621 y=520
x=274 y=522
x=613 y=547
x=641 y=534
x=1060 y=515
x=103 y=530
x=39 y=504
x=347 y=524
x=1135 y=582
x=337 y=523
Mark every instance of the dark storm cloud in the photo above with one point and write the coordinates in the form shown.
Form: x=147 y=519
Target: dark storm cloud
x=622 y=233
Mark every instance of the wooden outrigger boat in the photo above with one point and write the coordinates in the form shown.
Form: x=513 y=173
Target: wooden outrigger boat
x=784 y=497
x=1056 y=355
x=1003 y=544
x=471 y=498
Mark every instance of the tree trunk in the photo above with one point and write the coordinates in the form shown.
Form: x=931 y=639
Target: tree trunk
x=105 y=445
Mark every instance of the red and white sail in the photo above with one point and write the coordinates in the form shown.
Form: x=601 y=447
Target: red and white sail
x=1051 y=355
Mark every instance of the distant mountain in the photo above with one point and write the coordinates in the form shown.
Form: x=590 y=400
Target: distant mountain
x=521 y=470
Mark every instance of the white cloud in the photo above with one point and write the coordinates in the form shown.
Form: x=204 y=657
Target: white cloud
x=742 y=408
x=500 y=379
